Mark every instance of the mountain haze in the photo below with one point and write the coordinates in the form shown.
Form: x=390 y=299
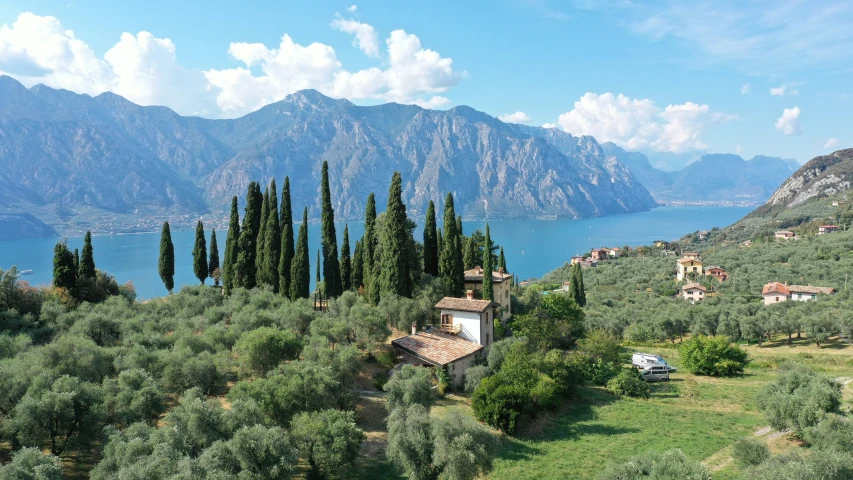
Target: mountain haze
x=71 y=152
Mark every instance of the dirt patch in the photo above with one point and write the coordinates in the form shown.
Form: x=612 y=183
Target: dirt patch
x=370 y=415
x=763 y=431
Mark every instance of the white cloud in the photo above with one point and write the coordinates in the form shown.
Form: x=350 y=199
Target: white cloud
x=144 y=68
x=352 y=8
x=831 y=143
x=549 y=125
x=639 y=123
x=366 y=37
x=745 y=88
x=517 y=117
x=757 y=37
x=789 y=122
x=739 y=149
x=783 y=90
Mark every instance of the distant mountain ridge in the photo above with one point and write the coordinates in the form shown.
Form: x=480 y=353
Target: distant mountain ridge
x=711 y=178
x=71 y=152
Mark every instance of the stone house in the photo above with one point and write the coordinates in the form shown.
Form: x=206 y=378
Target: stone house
x=693 y=292
x=500 y=288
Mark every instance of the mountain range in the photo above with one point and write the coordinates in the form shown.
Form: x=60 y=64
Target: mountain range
x=712 y=178
x=65 y=155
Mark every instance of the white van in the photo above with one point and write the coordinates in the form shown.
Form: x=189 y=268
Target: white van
x=643 y=360
x=655 y=373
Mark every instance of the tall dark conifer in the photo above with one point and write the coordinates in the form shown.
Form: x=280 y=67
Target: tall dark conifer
x=260 y=261
x=287 y=244
x=488 y=285
x=430 y=242
x=87 y=258
x=439 y=242
x=346 y=262
x=470 y=259
x=368 y=247
x=331 y=266
x=394 y=263
x=318 y=278
x=268 y=268
x=77 y=262
x=357 y=280
x=200 y=254
x=231 y=248
x=502 y=261
x=245 y=268
x=166 y=265
x=64 y=275
x=576 y=288
x=213 y=259
x=451 y=257
x=300 y=271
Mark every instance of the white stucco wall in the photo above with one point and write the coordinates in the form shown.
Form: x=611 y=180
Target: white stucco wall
x=471 y=324
x=772 y=298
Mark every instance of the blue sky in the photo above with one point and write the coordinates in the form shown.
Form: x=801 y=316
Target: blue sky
x=748 y=77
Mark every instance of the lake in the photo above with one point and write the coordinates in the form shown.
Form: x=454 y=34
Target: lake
x=532 y=247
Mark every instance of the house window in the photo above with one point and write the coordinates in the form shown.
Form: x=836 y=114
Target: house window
x=777 y=299
x=446 y=320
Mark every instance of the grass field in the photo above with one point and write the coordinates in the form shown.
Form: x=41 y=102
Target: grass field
x=596 y=428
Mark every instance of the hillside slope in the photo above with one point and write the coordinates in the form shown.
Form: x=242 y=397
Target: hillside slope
x=61 y=150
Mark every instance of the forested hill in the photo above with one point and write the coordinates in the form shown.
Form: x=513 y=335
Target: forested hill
x=67 y=152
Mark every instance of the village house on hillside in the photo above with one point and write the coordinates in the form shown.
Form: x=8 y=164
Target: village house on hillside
x=599 y=254
x=785 y=234
x=693 y=292
x=775 y=292
x=823 y=229
x=691 y=255
x=467 y=326
x=500 y=287
x=613 y=252
x=717 y=272
x=686 y=265
x=577 y=259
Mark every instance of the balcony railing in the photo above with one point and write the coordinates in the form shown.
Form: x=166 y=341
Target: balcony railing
x=454 y=329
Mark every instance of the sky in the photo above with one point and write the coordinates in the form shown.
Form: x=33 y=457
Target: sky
x=746 y=77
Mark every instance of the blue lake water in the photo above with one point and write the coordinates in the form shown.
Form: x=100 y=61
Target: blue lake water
x=532 y=247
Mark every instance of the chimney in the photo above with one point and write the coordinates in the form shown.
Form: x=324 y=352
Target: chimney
x=469 y=294
x=414 y=328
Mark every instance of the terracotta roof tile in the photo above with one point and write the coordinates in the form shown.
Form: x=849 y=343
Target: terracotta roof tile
x=775 y=287
x=690 y=286
x=463 y=304
x=810 y=289
x=437 y=347
x=476 y=275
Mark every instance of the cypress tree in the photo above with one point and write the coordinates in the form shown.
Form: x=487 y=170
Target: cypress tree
x=231 y=248
x=488 y=286
x=470 y=258
x=502 y=261
x=200 y=254
x=439 y=242
x=300 y=271
x=357 y=267
x=460 y=252
x=87 y=259
x=394 y=264
x=430 y=242
x=318 y=279
x=368 y=246
x=268 y=268
x=64 y=274
x=576 y=287
x=77 y=262
x=287 y=246
x=213 y=261
x=331 y=267
x=262 y=236
x=166 y=265
x=346 y=262
x=451 y=257
x=246 y=267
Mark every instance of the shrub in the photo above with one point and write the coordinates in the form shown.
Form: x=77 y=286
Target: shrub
x=386 y=358
x=833 y=432
x=411 y=385
x=442 y=380
x=819 y=464
x=499 y=404
x=262 y=349
x=670 y=465
x=474 y=375
x=628 y=383
x=600 y=372
x=750 y=451
x=714 y=356
x=798 y=399
x=379 y=380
